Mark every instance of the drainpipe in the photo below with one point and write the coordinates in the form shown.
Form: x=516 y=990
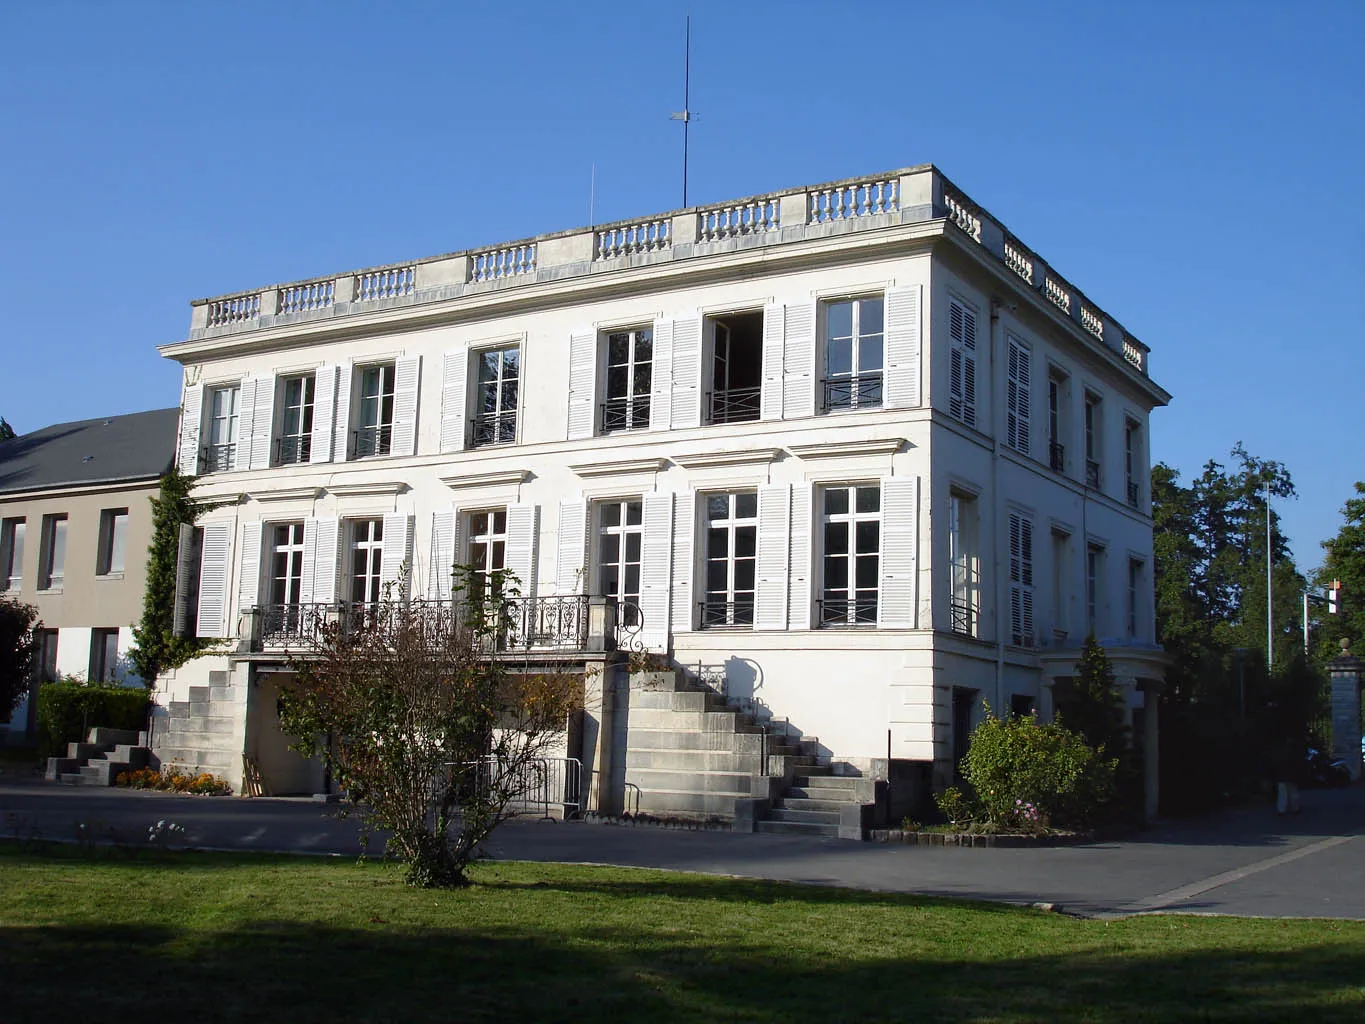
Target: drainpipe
x=997 y=510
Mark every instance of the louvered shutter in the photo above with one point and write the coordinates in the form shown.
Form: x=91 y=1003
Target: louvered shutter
x=324 y=414
x=249 y=572
x=523 y=522
x=661 y=376
x=186 y=565
x=896 y=576
x=572 y=549
x=902 y=348
x=656 y=564
x=310 y=550
x=798 y=366
x=191 y=412
x=799 y=590
x=215 y=569
x=1021 y=579
x=454 y=393
x=582 y=385
x=263 y=422
x=684 y=516
x=341 y=444
x=246 y=423
x=1017 y=398
x=774 y=545
x=440 y=577
x=395 y=562
x=686 y=373
x=968 y=367
x=326 y=559
x=770 y=391
x=407 y=377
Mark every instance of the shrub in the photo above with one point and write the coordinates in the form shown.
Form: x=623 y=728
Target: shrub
x=954 y=805
x=68 y=710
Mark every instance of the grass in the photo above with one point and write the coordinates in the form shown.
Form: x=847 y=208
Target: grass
x=218 y=937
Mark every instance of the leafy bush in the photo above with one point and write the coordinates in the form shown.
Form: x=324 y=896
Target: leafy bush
x=68 y=710
x=954 y=805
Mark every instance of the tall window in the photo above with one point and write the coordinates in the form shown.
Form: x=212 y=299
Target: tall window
x=1092 y=441
x=495 y=417
x=1131 y=461
x=736 y=368
x=487 y=546
x=286 y=564
x=374 y=433
x=1017 y=397
x=630 y=363
x=1061 y=584
x=367 y=556
x=1021 y=580
x=52 y=564
x=1134 y=597
x=1094 y=582
x=964 y=560
x=1056 y=416
x=103 y=655
x=11 y=553
x=620 y=539
x=962 y=362
x=295 y=443
x=852 y=555
x=47 y=655
x=112 y=541
x=731 y=554
x=853 y=354
x=221 y=451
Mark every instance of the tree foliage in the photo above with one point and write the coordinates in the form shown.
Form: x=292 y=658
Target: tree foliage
x=6 y=431
x=1344 y=560
x=19 y=651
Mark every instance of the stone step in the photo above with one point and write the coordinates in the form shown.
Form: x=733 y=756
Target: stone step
x=657 y=780
x=805 y=816
x=59 y=766
x=670 y=759
x=809 y=804
x=85 y=751
x=677 y=700
x=219 y=677
x=696 y=805
x=692 y=721
x=817 y=780
x=177 y=709
x=199 y=694
x=134 y=756
x=684 y=739
x=796 y=828
x=226 y=694
x=109 y=737
x=71 y=779
x=187 y=757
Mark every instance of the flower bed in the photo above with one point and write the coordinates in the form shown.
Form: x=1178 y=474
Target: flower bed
x=976 y=839
x=172 y=780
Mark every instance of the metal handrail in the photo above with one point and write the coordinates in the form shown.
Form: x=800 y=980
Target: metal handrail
x=734 y=405
x=491 y=428
x=726 y=614
x=217 y=458
x=375 y=440
x=964 y=616
x=627 y=413
x=1134 y=495
x=1092 y=474
x=863 y=391
x=842 y=611
x=293 y=449
x=1056 y=456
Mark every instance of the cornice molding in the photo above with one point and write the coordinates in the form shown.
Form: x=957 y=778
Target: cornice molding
x=507 y=477
x=618 y=467
x=843 y=449
x=368 y=490
x=286 y=494
x=712 y=460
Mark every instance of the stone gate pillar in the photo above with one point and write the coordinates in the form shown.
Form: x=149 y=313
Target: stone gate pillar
x=1345 y=672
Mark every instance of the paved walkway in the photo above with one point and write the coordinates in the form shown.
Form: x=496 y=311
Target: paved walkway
x=1248 y=862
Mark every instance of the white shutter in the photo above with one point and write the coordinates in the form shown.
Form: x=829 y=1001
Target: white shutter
x=656 y=564
x=962 y=362
x=397 y=556
x=523 y=522
x=571 y=552
x=770 y=392
x=686 y=373
x=324 y=414
x=246 y=423
x=896 y=582
x=440 y=577
x=454 y=390
x=582 y=385
x=263 y=423
x=341 y=444
x=310 y=549
x=1021 y=579
x=249 y=575
x=215 y=567
x=661 y=376
x=191 y=411
x=684 y=606
x=774 y=544
x=902 y=348
x=185 y=565
x=798 y=362
x=799 y=601
x=326 y=561
x=407 y=375
x=1017 y=398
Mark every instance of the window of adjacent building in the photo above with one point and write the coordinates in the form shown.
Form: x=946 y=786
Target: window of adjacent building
x=112 y=541
x=620 y=541
x=1094 y=583
x=366 y=559
x=630 y=376
x=103 y=655
x=1061 y=584
x=731 y=559
x=52 y=563
x=286 y=564
x=851 y=555
x=1135 y=567
x=220 y=453
x=12 y=553
x=964 y=560
x=487 y=546
x=374 y=415
x=736 y=367
x=495 y=399
x=1022 y=705
x=1056 y=420
x=1017 y=397
x=47 y=655
x=1092 y=440
x=1132 y=461
x=1021 y=579
x=295 y=443
x=962 y=362
x=854 y=339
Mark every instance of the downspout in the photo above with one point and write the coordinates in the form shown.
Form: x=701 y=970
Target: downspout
x=1001 y=587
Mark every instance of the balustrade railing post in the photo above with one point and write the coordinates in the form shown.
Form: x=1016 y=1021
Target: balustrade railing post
x=794 y=211
x=270 y=302
x=601 y=625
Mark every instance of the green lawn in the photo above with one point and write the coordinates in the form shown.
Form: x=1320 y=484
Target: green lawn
x=209 y=937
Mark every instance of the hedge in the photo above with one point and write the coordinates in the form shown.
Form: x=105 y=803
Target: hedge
x=68 y=711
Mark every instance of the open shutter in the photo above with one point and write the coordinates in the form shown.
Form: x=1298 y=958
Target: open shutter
x=246 y=423
x=263 y=423
x=523 y=522
x=799 y=600
x=324 y=414
x=341 y=443
x=396 y=561
x=896 y=582
x=310 y=550
x=454 y=386
x=770 y=392
x=582 y=385
x=407 y=374
x=661 y=379
x=686 y=373
x=249 y=575
x=326 y=563
x=215 y=568
x=684 y=606
x=572 y=550
x=902 y=347
x=656 y=565
x=191 y=411
x=798 y=364
x=440 y=577
x=774 y=545
x=186 y=580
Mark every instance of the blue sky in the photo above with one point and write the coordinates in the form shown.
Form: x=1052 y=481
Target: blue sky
x=1194 y=167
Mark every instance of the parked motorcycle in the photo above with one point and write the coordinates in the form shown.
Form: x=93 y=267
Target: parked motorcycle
x=1322 y=770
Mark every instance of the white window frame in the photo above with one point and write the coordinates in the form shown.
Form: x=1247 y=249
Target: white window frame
x=964 y=560
x=52 y=552
x=378 y=407
x=12 y=534
x=286 y=589
x=635 y=404
x=224 y=427
x=855 y=611
x=861 y=387
x=495 y=422
x=1061 y=578
x=1136 y=569
x=1094 y=583
x=1057 y=409
x=103 y=654
x=111 y=556
x=1094 y=440
x=485 y=532
x=1132 y=448
x=365 y=539
x=294 y=441
x=730 y=605
x=622 y=530
x=1020 y=547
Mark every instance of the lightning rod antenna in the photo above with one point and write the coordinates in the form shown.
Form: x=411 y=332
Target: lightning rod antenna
x=685 y=115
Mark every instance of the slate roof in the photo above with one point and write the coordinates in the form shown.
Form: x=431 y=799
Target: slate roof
x=137 y=446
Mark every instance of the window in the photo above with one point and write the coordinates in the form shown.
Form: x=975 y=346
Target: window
x=1056 y=421
x=1132 y=460
x=852 y=555
x=963 y=557
x=620 y=526
x=487 y=546
x=47 y=655
x=286 y=564
x=367 y=556
x=1094 y=581
x=52 y=563
x=295 y=443
x=736 y=368
x=11 y=554
x=1134 y=597
x=1061 y=584
x=374 y=417
x=1092 y=441
x=853 y=354
x=630 y=362
x=224 y=411
x=1021 y=580
x=962 y=362
x=731 y=558
x=103 y=655
x=113 y=539
x=1017 y=397
x=495 y=404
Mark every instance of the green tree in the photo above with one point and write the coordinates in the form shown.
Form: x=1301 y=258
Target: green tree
x=6 y=431
x=19 y=626
x=1344 y=560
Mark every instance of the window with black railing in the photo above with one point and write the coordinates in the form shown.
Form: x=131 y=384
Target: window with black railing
x=731 y=553
x=841 y=611
x=1056 y=456
x=736 y=368
x=1134 y=495
x=496 y=397
x=963 y=614
x=726 y=614
x=735 y=405
x=374 y=414
x=853 y=354
x=630 y=376
x=493 y=428
x=1092 y=474
x=219 y=454
x=851 y=555
x=295 y=442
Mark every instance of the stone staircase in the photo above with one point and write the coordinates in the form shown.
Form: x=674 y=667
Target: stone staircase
x=201 y=734
x=99 y=760
x=822 y=804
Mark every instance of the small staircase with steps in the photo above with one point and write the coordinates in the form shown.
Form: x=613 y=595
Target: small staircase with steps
x=99 y=760
x=821 y=804
x=201 y=734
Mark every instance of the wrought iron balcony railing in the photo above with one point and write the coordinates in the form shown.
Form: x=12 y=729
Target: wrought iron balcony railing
x=1134 y=495
x=841 y=611
x=493 y=428
x=291 y=625
x=631 y=413
x=861 y=392
x=218 y=458
x=372 y=440
x=1092 y=474
x=1056 y=456
x=727 y=614
x=733 y=405
x=293 y=449
x=964 y=616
